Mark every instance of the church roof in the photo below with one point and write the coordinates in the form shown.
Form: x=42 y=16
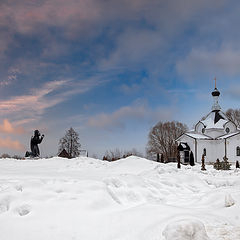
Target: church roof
x=183 y=146
x=229 y=135
x=215 y=119
x=195 y=135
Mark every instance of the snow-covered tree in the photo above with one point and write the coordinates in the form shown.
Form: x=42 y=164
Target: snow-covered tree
x=70 y=142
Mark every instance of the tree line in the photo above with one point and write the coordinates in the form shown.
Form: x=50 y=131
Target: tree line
x=161 y=144
x=116 y=154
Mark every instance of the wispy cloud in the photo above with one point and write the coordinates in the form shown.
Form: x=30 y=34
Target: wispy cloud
x=34 y=103
x=11 y=78
x=30 y=107
x=120 y=117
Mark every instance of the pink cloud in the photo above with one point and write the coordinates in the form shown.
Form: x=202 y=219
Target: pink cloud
x=11 y=144
x=26 y=16
x=7 y=127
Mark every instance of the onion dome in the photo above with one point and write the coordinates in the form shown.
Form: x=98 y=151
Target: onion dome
x=215 y=93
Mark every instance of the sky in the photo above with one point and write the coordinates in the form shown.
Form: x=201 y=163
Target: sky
x=112 y=69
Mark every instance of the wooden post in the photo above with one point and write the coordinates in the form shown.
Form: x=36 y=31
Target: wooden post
x=203 y=164
x=237 y=164
x=178 y=160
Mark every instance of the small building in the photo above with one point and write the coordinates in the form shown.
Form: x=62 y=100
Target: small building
x=214 y=136
x=64 y=154
x=184 y=151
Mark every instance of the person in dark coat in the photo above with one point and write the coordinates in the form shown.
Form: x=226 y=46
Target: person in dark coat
x=35 y=140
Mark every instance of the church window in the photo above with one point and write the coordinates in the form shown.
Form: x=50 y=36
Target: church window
x=227 y=130
x=204 y=152
x=203 y=130
x=238 y=151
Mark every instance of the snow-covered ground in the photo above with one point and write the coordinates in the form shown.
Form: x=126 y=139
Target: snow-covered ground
x=130 y=199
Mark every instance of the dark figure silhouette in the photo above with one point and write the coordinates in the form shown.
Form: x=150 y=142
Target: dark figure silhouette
x=35 y=140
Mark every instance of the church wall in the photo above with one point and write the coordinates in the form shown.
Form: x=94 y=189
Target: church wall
x=214 y=133
x=232 y=127
x=232 y=144
x=214 y=149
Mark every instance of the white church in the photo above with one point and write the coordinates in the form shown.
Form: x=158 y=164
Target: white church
x=215 y=136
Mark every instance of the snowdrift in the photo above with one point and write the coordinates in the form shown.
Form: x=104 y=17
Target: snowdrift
x=133 y=198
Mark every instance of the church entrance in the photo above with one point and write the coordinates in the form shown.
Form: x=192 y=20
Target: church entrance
x=184 y=151
x=186 y=156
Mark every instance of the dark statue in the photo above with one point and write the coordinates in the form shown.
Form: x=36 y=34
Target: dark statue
x=35 y=140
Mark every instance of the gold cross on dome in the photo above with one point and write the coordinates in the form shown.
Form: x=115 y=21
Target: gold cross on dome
x=215 y=82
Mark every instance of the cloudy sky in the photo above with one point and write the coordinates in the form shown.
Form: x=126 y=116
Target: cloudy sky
x=112 y=69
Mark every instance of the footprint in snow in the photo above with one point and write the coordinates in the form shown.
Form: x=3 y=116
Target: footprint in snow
x=4 y=205
x=23 y=210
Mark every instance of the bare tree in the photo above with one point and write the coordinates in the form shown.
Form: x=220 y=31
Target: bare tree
x=161 y=139
x=234 y=116
x=116 y=154
x=70 y=142
x=132 y=152
x=112 y=155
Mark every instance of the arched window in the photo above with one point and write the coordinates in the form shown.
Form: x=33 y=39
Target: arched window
x=238 y=151
x=204 y=152
x=227 y=130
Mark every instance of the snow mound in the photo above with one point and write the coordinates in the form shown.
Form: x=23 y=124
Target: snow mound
x=129 y=199
x=229 y=201
x=186 y=229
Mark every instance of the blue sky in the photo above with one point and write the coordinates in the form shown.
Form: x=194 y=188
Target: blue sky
x=112 y=69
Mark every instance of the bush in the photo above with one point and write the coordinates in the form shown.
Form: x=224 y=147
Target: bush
x=5 y=155
x=224 y=165
x=217 y=165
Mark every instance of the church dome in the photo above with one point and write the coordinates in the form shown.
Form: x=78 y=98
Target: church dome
x=215 y=93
